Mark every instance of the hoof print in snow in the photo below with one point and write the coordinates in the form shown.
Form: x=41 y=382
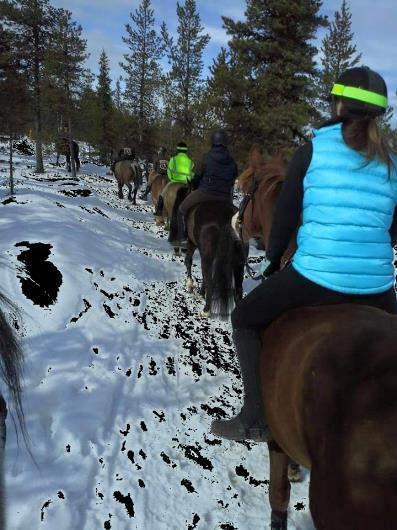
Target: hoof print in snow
x=127 y=501
x=12 y=199
x=299 y=506
x=106 y=524
x=143 y=426
x=108 y=311
x=188 y=485
x=76 y=193
x=44 y=508
x=153 y=370
x=242 y=472
x=41 y=280
x=195 y=522
x=159 y=415
x=75 y=319
x=167 y=460
x=127 y=430
x=193 y=453
x=141 y=483
x=60 y=495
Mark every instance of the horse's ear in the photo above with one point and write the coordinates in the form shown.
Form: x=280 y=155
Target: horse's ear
x=255 y=156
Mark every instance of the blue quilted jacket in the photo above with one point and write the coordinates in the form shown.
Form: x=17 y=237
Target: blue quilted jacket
x=344 y=241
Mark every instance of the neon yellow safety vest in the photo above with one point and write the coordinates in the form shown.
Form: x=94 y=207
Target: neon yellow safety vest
x=180 y=168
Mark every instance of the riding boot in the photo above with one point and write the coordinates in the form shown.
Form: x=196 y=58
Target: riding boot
x=250 y=423
x=144 y=195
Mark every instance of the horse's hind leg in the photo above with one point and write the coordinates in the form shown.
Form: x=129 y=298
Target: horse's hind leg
x=206 y=267
x=135 y=192
x=129 y=186
x=120 y=186
x=188 y=263
x=68 y=163
x=279 y=487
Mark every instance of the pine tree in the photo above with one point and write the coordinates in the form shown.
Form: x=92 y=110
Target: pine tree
x=106 y=109
x=185 y=58
x=31 y=23
x=118 y=96
x=338 y=53
x=64 y=63
x=13 y=95
x=268 y=74
x=142 y=67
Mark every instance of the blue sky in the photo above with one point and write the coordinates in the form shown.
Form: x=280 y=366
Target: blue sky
x=103 y=22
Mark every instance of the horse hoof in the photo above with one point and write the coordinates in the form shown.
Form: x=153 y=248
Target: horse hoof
x=121 y=196
x=205 y=314
x=189 y=285
x=295 y=473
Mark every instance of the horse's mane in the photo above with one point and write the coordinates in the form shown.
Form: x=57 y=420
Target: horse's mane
x=264 y=169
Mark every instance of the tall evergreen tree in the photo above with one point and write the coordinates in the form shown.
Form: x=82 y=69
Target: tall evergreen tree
x=270 y=66
x=185 y=58
x=106 y=109
x=338 y=53
x=141 y=66
x=13 y=94
x=118 y=95
x=65 y=65
x=31 y=21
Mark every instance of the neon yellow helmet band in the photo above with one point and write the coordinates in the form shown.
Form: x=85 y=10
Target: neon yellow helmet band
x=360 y=94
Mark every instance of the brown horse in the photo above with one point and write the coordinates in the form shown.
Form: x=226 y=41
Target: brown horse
x=330 y=394
x=167 y=200
x=269 y=175
x=222 y=256
x=62 y=147
x=158 y=183
x=127 y=172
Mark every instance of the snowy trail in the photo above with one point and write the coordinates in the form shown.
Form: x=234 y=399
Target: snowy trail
x=122 y=377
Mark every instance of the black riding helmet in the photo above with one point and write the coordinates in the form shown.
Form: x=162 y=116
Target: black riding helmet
x=219 y=138
x=181 y=147
x=363 y=92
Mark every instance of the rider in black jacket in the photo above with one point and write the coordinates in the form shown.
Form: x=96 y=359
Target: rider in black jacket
x=213 y=181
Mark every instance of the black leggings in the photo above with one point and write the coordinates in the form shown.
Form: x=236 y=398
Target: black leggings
x=288 y=289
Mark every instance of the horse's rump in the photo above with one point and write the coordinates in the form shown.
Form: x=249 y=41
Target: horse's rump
x=126 y=171
x=321 y=372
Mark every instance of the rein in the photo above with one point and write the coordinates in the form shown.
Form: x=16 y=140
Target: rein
x=250 y=197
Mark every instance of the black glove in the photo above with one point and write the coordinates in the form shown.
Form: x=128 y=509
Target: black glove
x=270 y=269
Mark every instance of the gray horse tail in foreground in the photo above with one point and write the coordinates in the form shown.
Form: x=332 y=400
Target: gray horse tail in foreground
x=11 y=365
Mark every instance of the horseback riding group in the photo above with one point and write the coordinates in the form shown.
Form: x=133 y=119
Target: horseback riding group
x=316 y=340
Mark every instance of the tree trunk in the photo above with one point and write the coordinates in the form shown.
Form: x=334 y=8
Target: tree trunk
x=37 y=91
x=72 y=162
x=11 y=167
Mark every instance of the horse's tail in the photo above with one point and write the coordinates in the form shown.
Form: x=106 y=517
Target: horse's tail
x=222 y=272
x=11 y=364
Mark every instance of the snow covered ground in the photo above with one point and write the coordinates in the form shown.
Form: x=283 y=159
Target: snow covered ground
x=122 y=378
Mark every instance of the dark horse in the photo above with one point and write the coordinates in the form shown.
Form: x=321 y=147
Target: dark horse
x=221 y=252
x=63 y=148
x=11 y=362
x=330 y=393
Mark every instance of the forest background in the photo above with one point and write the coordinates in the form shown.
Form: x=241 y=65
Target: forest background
x=269 y=84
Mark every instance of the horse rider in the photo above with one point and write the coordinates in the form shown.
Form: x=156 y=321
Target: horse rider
x=344 y=185
x=213 y=181
x=179 y=169
x=160 y=168
x=125 y=153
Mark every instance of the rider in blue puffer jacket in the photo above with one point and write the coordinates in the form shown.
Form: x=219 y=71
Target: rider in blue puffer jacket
x=341 y=188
